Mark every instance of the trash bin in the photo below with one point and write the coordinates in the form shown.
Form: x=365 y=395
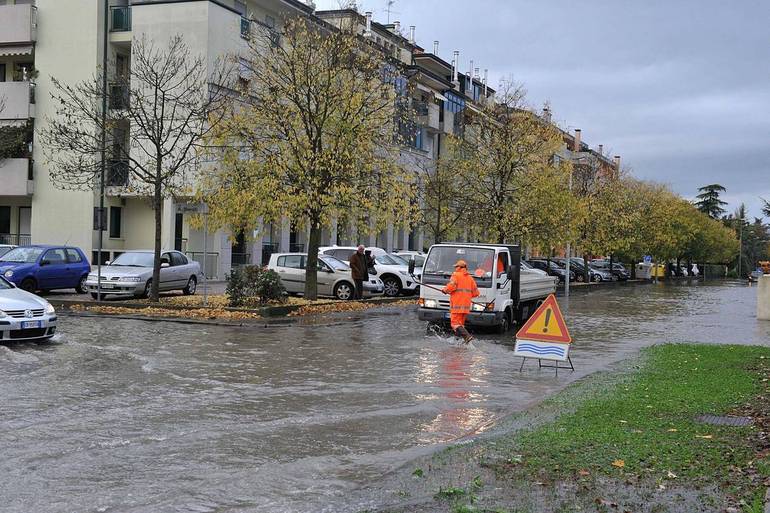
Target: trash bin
x=659 y=271
x=644 y=271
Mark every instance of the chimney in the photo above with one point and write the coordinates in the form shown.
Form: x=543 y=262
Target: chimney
x=617 y=163
x=435 y=48
x=486 y=81
x=397 y=27
x=476 y=73
x=470 y=70
x=368 y=32
x=455 y=63
x=411 y=33
x=577 y=139
x=601 y=149
x=547 y=114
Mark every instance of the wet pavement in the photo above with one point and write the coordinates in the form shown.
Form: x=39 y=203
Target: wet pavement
x=130 y=416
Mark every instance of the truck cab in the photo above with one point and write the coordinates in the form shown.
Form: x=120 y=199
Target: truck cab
x=508 y=293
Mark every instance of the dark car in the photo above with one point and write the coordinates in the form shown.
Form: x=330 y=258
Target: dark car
x=40 y=267
x=552 y=268
x=618 y=270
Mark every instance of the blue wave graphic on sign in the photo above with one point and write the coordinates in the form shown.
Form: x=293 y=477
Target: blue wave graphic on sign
x=543 y=351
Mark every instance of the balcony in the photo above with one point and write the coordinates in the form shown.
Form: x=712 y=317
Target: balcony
x=428 y=115
x=120 y=18
x=117 y=173
x=18 y=29
x=448 y=125
x=16 y=177
x=19 y=100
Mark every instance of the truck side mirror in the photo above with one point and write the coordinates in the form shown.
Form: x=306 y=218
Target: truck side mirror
x=411 y=266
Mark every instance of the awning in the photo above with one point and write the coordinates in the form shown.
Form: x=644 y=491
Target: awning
x=424 y=88
x=6 y=51
x=474 y=109
x=440 y=96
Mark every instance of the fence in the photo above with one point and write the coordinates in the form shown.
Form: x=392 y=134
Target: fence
x=212 y=262
x=15 y=239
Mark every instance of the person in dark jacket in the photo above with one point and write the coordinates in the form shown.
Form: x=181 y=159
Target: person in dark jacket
x=359 y=268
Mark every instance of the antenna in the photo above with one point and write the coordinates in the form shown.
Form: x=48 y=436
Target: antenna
x=389 y=8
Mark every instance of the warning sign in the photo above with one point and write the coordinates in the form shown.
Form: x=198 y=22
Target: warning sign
x=544 y=336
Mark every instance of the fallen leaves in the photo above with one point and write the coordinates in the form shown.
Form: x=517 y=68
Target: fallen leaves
x=198 y=313
x=619 y=463
x=705 y=437
x=346 y=306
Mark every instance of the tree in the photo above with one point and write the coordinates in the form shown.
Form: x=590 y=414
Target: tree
x=766 y=207
x=159 y=114
x=504 y=152
x=709 y=202
x=312 y=137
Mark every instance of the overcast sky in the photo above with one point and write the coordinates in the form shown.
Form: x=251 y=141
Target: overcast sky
x=679 y=88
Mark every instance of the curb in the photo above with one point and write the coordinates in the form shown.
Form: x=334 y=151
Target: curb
x=767 y=501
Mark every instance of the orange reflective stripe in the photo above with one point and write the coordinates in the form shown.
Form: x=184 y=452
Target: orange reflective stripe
x=469 y=291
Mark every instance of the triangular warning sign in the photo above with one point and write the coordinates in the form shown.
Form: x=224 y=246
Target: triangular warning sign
x=546 y=324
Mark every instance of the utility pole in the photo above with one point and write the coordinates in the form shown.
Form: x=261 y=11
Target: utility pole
x=101 y=216
x=740 y=249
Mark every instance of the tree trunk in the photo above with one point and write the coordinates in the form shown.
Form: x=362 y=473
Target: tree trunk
x=311 y=268
x=612 y=262
x=157 y=199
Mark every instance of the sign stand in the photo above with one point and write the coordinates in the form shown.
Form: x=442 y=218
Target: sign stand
x=545 y=337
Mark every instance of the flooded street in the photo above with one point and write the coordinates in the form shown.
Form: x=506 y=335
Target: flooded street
x=132 y=416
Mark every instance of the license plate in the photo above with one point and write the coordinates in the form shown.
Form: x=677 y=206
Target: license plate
x=31 y=324
x=108 y=286
x=446 y=315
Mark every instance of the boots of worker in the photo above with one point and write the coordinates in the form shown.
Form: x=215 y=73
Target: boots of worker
x=462 y=332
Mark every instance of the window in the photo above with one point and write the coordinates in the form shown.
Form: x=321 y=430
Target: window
x=5 y=220
x=116 y=214
x=165 y=258
x=2 y=72
x=73 y=257
x=454 y=102
x=54 y=257
x=343 y=254
x=178 y=259
x=292 y=261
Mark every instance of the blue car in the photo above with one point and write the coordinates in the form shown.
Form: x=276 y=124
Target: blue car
x=34 y=268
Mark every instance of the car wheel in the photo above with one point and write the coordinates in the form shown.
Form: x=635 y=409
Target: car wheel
x=28 y=284
x=392 y=286
x=192 y=285
x=505 y=325
x=343 y=291
x=81 y=288
x=597 y=278
x=147 y=289
x=580 y=278
x=95 y=296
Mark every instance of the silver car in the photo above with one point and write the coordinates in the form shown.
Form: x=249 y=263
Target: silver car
x=334 y=276
x=130 y=274
x=23 y=315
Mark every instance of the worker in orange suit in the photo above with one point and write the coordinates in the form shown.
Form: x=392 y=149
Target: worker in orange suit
x=461 y=289
x=486 y=266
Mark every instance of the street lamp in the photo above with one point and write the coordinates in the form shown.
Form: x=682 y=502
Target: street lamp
x=740 y=245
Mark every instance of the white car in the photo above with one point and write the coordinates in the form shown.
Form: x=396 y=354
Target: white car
x=391 y=269
x=130 y=274
x=334 y=277
x=23 y=315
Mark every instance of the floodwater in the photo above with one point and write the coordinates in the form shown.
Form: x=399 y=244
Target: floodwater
x=131 y=416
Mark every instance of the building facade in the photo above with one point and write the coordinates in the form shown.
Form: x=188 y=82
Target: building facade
x=41 y=39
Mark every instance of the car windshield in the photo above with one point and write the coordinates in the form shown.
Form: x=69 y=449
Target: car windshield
x=441 y=261
x=22 y=255
x=403 y=260
x=5 y=284
x=337 y=265
x=3 y=251
x=388 y=260
x=134 y=259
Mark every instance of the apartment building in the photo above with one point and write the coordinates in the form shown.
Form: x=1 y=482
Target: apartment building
x=40 y=39
x=18 y=34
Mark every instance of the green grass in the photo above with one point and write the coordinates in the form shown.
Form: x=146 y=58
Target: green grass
x=647 y=422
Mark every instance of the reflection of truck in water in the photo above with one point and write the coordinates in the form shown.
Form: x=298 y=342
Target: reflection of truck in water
x=509 y=293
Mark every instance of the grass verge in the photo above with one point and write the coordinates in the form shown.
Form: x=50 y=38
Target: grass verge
x=644 y=430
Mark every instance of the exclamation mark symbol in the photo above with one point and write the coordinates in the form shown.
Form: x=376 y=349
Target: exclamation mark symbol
x=547 y=320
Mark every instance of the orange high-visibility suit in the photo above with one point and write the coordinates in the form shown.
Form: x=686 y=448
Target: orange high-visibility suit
x=486 y=266
x=461 y=289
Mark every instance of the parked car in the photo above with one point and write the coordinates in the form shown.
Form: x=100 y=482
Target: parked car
x=552 y=268
x=39 y=267
x=391 y=269
x=334 y=276
x=5 y=248
x=618 y=270
x=23 y=315
x=130 y=274
x=419 y=257
x=576 y=265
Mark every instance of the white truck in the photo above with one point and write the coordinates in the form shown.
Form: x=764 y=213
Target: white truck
x=508 y=293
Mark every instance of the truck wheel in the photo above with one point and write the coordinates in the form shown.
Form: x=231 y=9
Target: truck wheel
x=505 y=325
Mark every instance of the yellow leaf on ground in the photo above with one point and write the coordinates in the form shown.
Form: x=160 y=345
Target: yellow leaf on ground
x=708 y=437
x=673 y=430
x=619 y=463
x=584 y=472
x=671 y=475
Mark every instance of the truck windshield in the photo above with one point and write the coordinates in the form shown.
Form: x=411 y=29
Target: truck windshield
x=441 y=261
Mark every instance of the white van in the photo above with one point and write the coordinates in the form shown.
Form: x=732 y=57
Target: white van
x=508 y=292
